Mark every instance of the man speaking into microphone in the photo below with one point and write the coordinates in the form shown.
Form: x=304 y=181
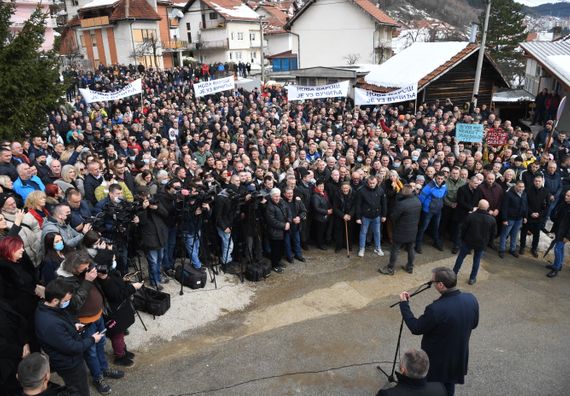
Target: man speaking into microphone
x=446 y=327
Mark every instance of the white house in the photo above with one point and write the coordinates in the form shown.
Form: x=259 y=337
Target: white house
x=222 y=31
x=339 y=32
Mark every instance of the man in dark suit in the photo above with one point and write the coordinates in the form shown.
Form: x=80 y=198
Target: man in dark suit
x=446 y=326
x=414 y=367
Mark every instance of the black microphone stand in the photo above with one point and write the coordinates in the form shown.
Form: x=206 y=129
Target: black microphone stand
x=391 y=377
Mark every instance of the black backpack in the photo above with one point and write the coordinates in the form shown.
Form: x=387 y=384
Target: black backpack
x=258 y=270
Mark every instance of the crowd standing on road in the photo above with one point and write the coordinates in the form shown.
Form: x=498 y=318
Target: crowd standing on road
x=235 y=177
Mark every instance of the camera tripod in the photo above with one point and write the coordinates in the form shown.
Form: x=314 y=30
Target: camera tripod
x=391 y=377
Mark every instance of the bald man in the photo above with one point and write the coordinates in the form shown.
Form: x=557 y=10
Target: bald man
x=477 y=232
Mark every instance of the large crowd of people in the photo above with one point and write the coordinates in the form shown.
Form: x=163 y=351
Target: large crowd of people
x=241 y=177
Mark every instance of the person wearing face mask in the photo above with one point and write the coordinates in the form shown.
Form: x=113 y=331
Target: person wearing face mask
x=59 y=223
x=117 y=291
x=53 y=256
x=87 y=303
x=62 y=338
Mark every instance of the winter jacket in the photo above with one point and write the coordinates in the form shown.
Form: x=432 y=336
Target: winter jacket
x=152 y=228
x=479 y=229
x=225 y=210
x=81 y=290
x=71 y=238
x=405 y=218
x=320 y=204
x=561 y=226
x=513 y=206
x=432 y=196
x=296 y=208
x=493 y=194
x=528 y=177
x=344 y=204
x=467 y=199
x=371 y=203
x=30 y=233
x=90 y=184
x=12 y=341
x=553 y=184
x=452 y=188
x=276 y=215
x=118 y=296
x=57 y=334
x=538 y=202
x=24 y=188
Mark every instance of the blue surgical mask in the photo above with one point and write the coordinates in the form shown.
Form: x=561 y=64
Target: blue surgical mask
x=414 y=157
x=58 y=246
x=64 y=304
x=114 y=265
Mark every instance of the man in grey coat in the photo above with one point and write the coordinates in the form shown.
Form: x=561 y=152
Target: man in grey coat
x=405 y=217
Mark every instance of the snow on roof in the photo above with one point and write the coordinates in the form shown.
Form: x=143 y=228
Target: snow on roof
x=414 y=63
x=513 y=95
x=236 y=11
x=561 y=65
x=98 y=3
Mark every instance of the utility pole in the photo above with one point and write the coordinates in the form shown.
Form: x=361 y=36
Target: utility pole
x=261 y=50
x=481 y=55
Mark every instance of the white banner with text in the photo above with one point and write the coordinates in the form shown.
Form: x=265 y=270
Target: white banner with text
x=133 y=88
x=299 y=92
x=214 y=86
x=366 y=97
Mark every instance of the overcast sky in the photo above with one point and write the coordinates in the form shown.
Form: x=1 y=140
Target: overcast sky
x=536 y=2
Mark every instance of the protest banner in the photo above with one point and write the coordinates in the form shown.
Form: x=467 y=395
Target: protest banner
x=299 y=92
x=496 y=137
x=214 y=86
x=131 y=89
x=366 y=97
x=469 y=133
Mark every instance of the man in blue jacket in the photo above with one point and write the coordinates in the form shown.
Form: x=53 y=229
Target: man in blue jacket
x=431 y=198
x=60 y=336
x=446 y=326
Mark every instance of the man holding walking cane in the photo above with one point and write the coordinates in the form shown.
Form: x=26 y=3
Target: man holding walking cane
x=446 y=326
x=343 y=210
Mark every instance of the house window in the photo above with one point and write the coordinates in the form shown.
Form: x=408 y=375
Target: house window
x=252 y=36
x=238 y=55
x=93 y=38
x=232 y=35
x=253 y=55
x=213 y=15
x=231 y=57
x=189 y=37
x=240 y=36
x=82 y=40
x=188 y=26
x=75 y=2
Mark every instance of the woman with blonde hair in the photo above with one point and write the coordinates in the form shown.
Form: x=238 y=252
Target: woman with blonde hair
x=392 y=186
x=7 y=186
x=37 y=212
x=69 y=179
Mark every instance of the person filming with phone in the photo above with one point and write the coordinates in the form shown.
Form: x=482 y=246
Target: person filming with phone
x=446 y=327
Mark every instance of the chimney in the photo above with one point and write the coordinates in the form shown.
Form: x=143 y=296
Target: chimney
x=474 y=30
x=556 y=32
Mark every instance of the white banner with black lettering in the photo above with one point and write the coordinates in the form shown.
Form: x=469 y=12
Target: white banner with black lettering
x=133 y=88
x=214 y=86
x=298 y=92
x=366 y=97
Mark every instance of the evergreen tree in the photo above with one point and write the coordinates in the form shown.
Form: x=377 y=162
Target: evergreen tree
x=29 y=77
x=506 y=31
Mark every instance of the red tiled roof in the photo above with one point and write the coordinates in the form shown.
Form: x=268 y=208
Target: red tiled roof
x=366 y=5
x=276 y=20
x=227 y=4
x=138 y=9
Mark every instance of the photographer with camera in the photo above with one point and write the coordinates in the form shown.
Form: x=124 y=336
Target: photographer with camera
x=153 y=234
x=118 y=291
x=168 y=196
x=226 y=214
x=117 y=216
x=194 y=210
x=87 y=303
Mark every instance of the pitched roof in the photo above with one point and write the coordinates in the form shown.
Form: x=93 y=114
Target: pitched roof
x=139 y=9
x=553 y=56
x=276 y=20
x=230 y=10
x=421 y=62
x=366 y=5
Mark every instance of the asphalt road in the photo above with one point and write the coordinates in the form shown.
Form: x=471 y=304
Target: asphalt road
x=320 y=327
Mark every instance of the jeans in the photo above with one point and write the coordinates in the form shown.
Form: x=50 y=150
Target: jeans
x=558 y=255
x=427 y=219
x=169 y=259
x=95 y=355
x=122 y=257
x=376 y=225
x=293 y=244
x=154 y=258
x=227 y=246
x=477 y=254
x=192 y=243
x=395 y=250
x=511 y=229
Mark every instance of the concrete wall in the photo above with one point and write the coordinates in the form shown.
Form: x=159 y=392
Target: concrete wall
x=330 y=30
x=278 y=43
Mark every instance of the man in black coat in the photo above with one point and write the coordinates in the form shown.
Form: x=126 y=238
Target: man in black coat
x=92 y=181
x=468 y=196
x=513 y=214
x=538 y=201
x=34 y=375
x=414 y=366
x=446 y=326
x=561 y=229
x=343 y=202
x=405 y=216
x=478 y=232
x=298 y=213
x=278 y=218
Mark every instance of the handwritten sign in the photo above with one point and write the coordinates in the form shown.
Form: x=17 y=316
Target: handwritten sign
x=496 y=137
x=470 y=133
x=299 y=92
x=366 y=97
x=131 y=89
x=214 y=86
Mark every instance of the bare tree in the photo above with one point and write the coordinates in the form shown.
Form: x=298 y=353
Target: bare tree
x=150 y=46
x=351 y=59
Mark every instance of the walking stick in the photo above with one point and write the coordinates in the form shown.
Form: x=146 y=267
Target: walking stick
x=346 y=233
